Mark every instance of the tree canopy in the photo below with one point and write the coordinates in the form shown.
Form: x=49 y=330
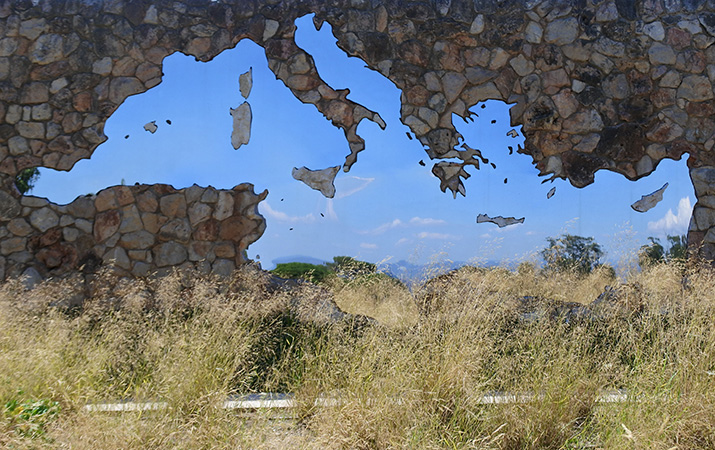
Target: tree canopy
x=675 y=249
x=25 y=180
x=572 y=253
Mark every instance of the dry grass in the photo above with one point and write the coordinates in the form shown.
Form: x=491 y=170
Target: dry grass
x=414 y=382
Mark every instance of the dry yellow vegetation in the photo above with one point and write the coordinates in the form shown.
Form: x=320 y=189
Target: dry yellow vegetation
x=416 y=380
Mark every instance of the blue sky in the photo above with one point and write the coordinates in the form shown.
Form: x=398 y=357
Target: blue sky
x=388 y=207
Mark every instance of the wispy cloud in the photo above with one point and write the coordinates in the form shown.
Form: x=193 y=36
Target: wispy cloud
x=440 y=236
x=384 y=227
x=347 y=186
x=673 y=223
x=426 y=221
x=270 y=213
x=402 y=241
x=368 y=246
x=330 y=211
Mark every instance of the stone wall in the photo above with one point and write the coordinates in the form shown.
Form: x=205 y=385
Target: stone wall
x=138 y=230
x=597 y=84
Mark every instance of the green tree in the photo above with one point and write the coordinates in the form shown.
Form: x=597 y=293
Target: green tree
x=25 y=180
x=570 y=253
x=651 y=253
x=350 y=267
x=655 y=253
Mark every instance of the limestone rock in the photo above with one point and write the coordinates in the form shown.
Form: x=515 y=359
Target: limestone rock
x=245 y=82
x=173 y=205
x=500 y=221
x=43 y=219
x=176 y=230
x=533 y=33
x=19 y=227
x=47 y=49
x=562 y=31
x=661 y=54
x=106 y=224
x=320 y=180
x=224 y=206
x=141 y=239
x=151 y=127
x=650 y=200
x=117 y=256
x=169 y=254
x=696 y=88
x=242 y=118
x=9 y=206
x=122 y=87
x=198 y=212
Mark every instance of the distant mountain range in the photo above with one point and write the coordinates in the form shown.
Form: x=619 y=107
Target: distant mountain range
x=294 y=258
x=416 y=274
x=409 y=273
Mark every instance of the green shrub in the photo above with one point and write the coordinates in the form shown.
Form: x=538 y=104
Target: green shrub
x=302 y=271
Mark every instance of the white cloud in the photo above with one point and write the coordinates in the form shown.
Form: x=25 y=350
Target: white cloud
x=368 y=246
x=426 y=221
x=671 y=224
x=270 y=213
x=440 y=236
x=347 y=186
x=402 y=241
x=485 y=236
x=384 y=227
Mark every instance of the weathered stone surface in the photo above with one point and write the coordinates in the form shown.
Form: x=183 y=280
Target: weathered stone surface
x=105 y=200
x=12 y=245
x=242 y=118
x=141 y=239
x=118 y=257
x=661 y=54
x=131 y=221
x=703 y=179
x=173 y=205
x=696 y=88
x=106 y=224
x=562 y=31
x=176 y=230
x=151 y=127
x=224 y=206
x=533 y=33
x=19 y=227
x=82 y=207
x=500 y=221
x=648 y=201
x=44 y=218
x=198 y=212
x=9 y=206
x=320 y=180
x=147 y=202
x=47 y=49
x=122 y=87
x=169 y=254
x=245 y=80
x=655 y=31
x=584 y=122
x=223 y=267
